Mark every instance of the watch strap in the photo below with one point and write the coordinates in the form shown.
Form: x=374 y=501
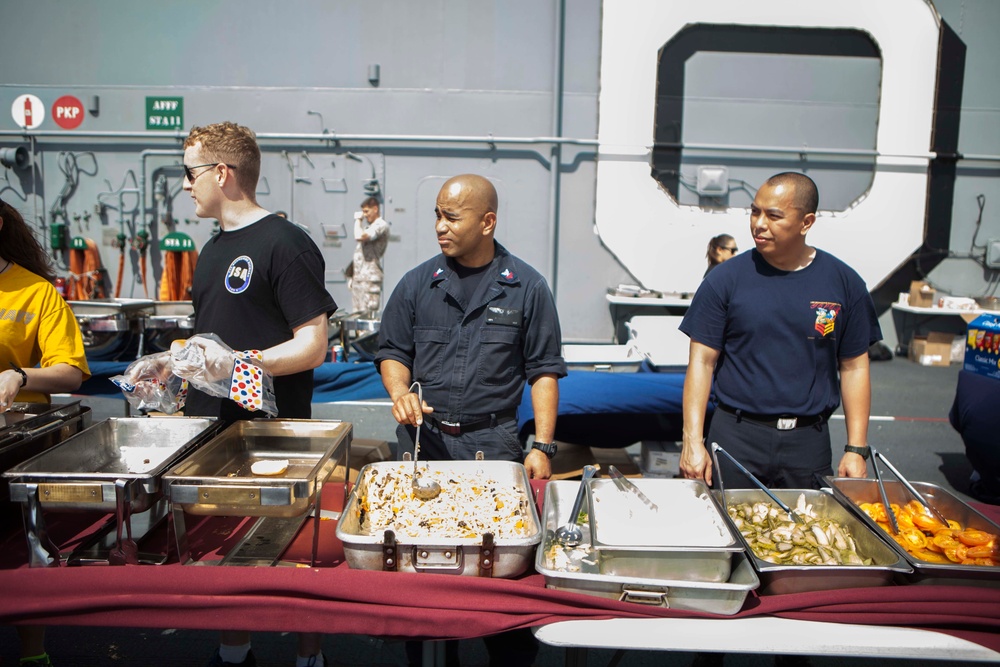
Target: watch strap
x=24 y=376
x=865 y=452
x=547 y=448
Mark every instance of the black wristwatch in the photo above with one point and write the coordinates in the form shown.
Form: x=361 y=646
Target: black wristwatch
x=20 y=371
x=864 y=452
x=547 y=448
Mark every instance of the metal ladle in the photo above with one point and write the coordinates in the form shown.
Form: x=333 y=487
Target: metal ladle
x=569 y=534
x=425 y=489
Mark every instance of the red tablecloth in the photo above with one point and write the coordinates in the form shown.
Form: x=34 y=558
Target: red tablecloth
x=333 y=598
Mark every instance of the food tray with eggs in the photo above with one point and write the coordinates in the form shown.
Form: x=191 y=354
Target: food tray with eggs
x=685 y=538
x=483 y=523
x=854 y=492
x=260 y=468
x=79 y=474
x=577 y=568
x=833 y=549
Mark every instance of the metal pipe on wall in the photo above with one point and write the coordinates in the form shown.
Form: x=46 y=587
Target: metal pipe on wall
x=555 y=169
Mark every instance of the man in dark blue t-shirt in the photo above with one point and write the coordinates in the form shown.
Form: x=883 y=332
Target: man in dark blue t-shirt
x=784 y=331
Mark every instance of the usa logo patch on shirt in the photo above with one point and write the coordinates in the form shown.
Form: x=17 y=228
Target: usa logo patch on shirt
x=239 y=274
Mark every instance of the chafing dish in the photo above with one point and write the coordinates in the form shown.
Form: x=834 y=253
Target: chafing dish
x=114 y=466
x=28 y=429
x=686 y=539
x=581 y=573
x=79 y=474
x=482 y=555
x=110 y=326
x=778 y=579
x=853 y=492
x=216 y=480
x=168 y=321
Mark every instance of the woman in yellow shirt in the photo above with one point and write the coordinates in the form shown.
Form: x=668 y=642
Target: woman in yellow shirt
x=41 y=349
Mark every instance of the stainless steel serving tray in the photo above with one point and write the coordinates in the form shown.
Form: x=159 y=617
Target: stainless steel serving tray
x=667 y=549
x=217 y=481
x=32 y=428
x=463 y=556
x=725 y=598
x=854 y=491
x=80 y=473
x=778 y=579
x=24 y=419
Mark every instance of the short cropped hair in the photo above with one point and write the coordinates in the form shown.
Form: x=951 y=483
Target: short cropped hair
x=234 y=145
x=806 y=192
x=371 y=201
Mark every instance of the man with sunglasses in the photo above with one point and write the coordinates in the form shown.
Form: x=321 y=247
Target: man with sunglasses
x=260 y=286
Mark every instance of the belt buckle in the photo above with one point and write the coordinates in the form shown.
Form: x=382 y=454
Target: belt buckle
x=451 y=428
x=787 y=423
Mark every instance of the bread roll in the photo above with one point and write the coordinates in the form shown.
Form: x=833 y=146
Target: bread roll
x=269 y=467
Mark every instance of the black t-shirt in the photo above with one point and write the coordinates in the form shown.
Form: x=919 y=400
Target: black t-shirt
x=252 y=287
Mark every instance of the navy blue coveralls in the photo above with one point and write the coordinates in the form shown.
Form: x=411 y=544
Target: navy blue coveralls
x=471 y=359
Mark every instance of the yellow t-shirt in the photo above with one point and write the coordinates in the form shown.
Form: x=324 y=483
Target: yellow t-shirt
x=37 y=327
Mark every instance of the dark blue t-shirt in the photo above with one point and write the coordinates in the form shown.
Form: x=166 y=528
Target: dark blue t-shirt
x=781 y=334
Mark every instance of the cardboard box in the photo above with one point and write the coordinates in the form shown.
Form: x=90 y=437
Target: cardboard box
x=934 y=349
x=982 y=346
x=921 y=294
x=660 y=459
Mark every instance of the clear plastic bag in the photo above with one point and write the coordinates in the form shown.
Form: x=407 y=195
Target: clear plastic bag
x=149 y=385
x=214 y=368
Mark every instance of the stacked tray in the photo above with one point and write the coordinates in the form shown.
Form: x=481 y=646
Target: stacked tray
x=778 y=578
x=579 y=570
x=686 y=539
x=217 y=479
x=853 y=492
x=480 y=554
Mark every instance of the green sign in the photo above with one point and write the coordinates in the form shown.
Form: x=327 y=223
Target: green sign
x=177 y=242
x=164 y=113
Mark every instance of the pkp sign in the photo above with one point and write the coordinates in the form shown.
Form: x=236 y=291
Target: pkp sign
x=67 y=112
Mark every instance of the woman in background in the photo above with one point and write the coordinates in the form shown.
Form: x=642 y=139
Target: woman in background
x=720 y=248
x=41 y=349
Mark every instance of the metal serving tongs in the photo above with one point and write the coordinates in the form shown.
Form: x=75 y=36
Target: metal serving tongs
x=718 y=475
x=627 y=486
x=425 y=489
x=909 y=487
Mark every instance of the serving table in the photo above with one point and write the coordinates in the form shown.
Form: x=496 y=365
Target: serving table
x=333 y=598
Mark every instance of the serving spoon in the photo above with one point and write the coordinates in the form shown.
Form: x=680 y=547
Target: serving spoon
x=569 y=534
x=424 y=489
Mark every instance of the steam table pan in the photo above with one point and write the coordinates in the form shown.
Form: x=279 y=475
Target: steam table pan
x=79 y=474
x=777 y=578
x=854 y=491
x=480 y=555
x=217 y=480
x=584 y=575
x=686 y=539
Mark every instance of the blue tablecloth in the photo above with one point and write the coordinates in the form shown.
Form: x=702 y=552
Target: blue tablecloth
x=595 y=409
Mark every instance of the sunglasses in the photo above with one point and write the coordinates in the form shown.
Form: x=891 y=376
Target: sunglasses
x=189 y=173
x=732 y=250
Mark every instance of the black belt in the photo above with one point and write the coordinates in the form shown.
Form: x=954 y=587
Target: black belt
x=780 y=422
x=455 y=428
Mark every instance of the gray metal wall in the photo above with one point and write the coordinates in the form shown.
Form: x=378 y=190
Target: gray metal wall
x=448 y=68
